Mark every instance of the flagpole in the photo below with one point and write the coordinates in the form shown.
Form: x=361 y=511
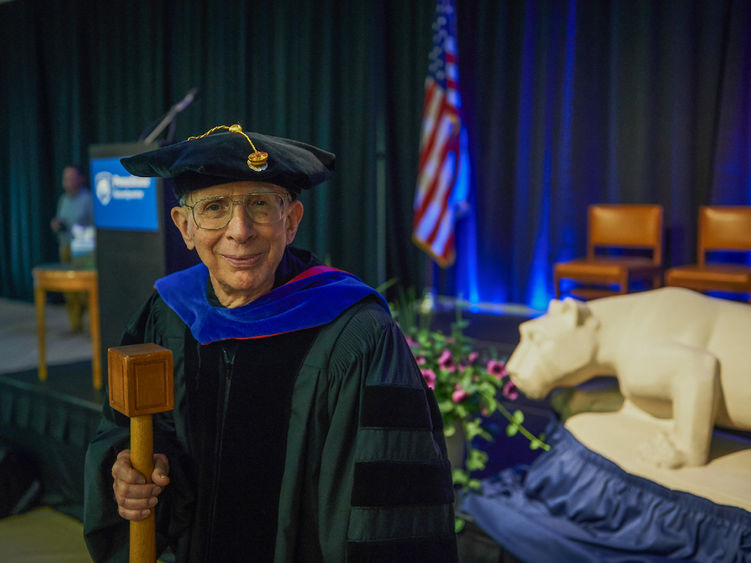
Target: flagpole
x=427 y=304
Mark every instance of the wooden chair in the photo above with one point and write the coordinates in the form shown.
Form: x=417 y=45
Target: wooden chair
x=721 y=228
x=626 y=227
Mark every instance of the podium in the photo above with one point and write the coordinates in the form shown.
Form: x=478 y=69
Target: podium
x=136 y=241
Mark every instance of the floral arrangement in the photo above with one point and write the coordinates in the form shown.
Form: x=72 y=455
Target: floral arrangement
x=468 y=388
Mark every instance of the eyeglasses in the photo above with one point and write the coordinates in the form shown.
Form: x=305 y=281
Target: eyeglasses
x=215 y=212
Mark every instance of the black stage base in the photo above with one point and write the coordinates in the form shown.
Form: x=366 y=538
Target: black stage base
x=49 y=425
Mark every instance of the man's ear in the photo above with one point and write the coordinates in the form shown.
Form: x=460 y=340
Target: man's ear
x=294 y=216
x=180 y=219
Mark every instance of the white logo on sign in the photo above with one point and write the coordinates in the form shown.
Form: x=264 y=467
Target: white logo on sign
x=103 y=186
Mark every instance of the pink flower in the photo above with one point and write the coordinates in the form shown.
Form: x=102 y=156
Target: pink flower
x=446 y=361
x=429 y=376
x=472 y=357
x=421 y=361
x=509 y=390
x=411 y=343
x=496 y=368
x=459 y=394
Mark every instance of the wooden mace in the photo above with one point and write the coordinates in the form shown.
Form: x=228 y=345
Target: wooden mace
x=141 y=384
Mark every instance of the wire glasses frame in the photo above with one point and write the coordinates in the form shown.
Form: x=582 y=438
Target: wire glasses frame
x=215 y=212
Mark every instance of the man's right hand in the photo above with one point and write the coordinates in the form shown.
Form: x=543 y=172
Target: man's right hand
x=135 y=498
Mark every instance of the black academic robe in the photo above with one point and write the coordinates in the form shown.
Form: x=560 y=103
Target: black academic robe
x=318 y=445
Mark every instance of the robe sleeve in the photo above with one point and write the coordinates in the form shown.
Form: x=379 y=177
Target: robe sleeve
x=384 y=489
x=105 y=531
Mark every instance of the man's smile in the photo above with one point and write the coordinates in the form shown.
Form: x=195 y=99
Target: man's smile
x=243 y=260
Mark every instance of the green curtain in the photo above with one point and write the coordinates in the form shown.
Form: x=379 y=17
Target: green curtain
x=333 y=72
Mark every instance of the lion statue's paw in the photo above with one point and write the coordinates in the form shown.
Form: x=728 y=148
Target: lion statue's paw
x=662 y=452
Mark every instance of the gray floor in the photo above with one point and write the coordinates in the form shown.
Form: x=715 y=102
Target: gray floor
x=18 y=337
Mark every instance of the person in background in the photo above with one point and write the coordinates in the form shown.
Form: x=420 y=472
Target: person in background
x=302 y=429
x=74 y=209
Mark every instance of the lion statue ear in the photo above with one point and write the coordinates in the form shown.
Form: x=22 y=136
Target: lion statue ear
x=570 y=311
x=554 y=307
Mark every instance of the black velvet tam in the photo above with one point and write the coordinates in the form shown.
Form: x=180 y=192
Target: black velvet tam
x=222 y=157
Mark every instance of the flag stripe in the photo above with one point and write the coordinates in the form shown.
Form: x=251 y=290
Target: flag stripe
x=433 y=222
x=436 y=174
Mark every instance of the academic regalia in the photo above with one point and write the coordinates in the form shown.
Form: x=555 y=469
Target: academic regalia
x=320 y=443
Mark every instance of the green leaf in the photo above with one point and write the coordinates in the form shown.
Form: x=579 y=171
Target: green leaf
x=535 y=444
x=476 y=460
x=518 y=417
x=459 y=525
x=446 y=406
x=459 y=477
x=472 y=425
x=475 y=466
x=511 y=430
x=487 y=388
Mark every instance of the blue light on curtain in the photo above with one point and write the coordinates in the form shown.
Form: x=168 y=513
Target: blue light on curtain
x=526 y=216
x=466 y=228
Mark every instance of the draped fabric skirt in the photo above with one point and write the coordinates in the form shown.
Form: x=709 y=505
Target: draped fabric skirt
x=572 y=504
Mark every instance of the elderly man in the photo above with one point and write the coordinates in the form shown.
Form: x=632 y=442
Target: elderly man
x=302 y=429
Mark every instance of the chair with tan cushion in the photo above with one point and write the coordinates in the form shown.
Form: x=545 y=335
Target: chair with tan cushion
x=625 y=227
x=721 y=228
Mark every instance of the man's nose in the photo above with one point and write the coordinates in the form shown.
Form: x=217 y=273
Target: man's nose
x=240 y=225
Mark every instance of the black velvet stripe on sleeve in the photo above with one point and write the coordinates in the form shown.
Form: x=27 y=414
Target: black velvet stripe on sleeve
x=394 y=407
x=386 y=483
x=435 y=412
x=413 y=550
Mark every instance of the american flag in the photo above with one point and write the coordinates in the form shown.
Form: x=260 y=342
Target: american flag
x=433 y=225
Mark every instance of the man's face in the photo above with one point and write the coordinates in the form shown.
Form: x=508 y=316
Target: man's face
x=72 y=180
x=242 y=257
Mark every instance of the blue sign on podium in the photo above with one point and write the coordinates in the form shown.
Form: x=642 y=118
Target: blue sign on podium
x=122 y=201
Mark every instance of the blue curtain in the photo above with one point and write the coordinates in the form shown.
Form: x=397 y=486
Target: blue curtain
x=569 y=103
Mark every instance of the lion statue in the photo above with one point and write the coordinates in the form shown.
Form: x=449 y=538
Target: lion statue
x=676 y=354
